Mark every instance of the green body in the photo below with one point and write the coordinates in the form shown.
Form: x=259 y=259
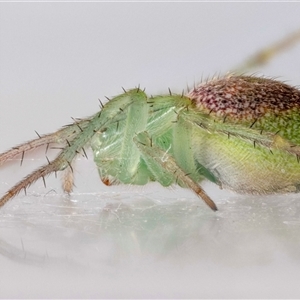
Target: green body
x=250 y=154
x=238 y=132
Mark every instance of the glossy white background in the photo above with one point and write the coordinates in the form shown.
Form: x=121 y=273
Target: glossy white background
x=56 y=60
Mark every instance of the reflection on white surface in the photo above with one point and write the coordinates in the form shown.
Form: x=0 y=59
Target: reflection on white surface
x=127 y=242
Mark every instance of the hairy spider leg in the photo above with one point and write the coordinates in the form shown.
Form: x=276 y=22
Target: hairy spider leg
x=59 y=137
x=164 y=166
x=79 y=134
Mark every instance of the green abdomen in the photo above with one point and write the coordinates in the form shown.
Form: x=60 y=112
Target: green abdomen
x=245 y=168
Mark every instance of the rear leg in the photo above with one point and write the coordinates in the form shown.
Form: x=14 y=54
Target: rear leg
x=265 y=55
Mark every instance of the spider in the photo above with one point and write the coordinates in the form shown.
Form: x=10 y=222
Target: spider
x=240 y=132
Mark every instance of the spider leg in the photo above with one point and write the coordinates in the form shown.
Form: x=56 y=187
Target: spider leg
x=68 y=179
x=265 y=55
x=163 y=164
x=74 y=138
x=60 y=136
x=269 y=140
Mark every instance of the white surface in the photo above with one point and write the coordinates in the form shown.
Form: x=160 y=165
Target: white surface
x=56 y=60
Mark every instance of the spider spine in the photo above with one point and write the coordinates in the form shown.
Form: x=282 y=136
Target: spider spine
x=37 y=134
x=84 y=153
x=22 y=158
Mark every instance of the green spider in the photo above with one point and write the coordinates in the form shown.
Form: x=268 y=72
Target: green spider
x=240 y=132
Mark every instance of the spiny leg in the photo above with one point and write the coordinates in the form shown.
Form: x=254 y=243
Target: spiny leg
x=81 y=133
x=256 y=137
x=165 y=163
x=61 y=162
x=265 y=55
x=61 y=136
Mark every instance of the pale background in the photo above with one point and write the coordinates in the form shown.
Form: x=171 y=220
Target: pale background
x=56 y=60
